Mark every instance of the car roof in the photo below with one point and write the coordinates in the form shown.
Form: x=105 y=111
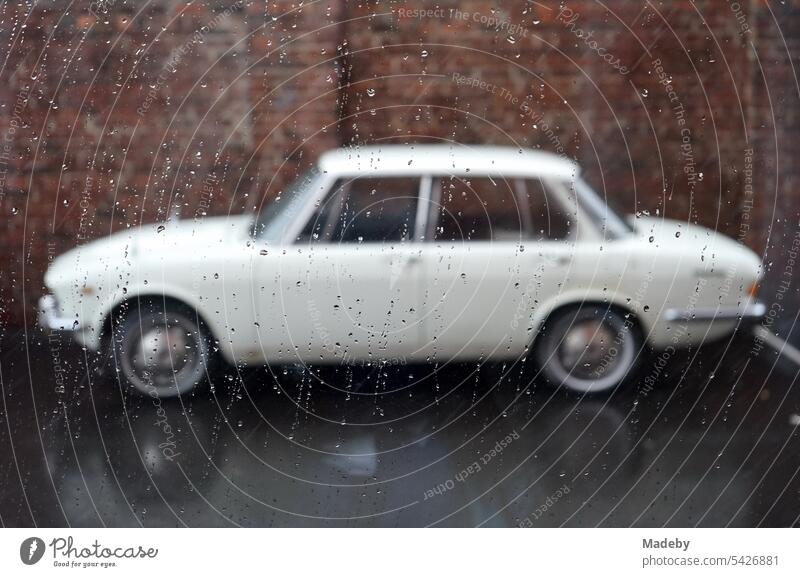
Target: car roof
x=446 y=159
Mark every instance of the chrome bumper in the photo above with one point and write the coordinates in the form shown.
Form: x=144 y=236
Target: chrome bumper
x=752 y=311
x=49 y=319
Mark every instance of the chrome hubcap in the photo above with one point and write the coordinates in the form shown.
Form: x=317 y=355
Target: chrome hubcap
x=587 y=348
x=163 y=354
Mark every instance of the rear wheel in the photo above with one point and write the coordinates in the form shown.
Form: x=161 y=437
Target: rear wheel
x=589 y=349
x=161 y=351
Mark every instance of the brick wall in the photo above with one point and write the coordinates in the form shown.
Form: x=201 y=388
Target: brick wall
x=214 y=106
x=774 y=123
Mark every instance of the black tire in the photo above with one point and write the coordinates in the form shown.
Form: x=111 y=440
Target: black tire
x=588 y=349
x=161 y=351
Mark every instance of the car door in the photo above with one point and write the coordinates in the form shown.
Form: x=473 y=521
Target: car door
x=349 y=285
x=492 y=255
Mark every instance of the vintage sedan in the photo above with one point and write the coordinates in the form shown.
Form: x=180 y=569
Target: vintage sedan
x=403 y=254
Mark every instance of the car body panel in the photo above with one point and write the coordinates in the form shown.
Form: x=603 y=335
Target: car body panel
x=334 y=303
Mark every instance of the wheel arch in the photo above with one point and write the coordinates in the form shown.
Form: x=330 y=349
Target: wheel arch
x=558 y=306
x=133 y=301
x=544 y=350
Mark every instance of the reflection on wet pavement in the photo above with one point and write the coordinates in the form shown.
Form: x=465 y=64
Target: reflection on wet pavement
x=400 y=446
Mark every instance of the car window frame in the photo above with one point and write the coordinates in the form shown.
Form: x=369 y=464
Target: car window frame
x=429 y=189
x=586 y=227
x=608 y=224
x=436 y=192
x=520 y=189
x=258 y=230
x=328 y=187
x=558 y=194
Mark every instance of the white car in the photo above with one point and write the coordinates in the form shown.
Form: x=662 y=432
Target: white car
x=401 y=254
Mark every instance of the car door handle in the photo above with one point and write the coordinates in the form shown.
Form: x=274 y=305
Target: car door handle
x=558 y=260
x=404 y=261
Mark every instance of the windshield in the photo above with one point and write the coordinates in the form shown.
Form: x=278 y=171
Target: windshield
x=281 y=212
x=609 y=221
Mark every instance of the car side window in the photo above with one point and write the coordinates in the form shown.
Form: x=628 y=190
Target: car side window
x=366 y=210
x=548 y=218
x=478 y=209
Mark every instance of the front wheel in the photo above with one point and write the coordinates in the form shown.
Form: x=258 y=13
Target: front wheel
x=161 y=351
x=589 y=349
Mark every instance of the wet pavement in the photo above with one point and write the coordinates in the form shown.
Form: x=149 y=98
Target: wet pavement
x=713 y=442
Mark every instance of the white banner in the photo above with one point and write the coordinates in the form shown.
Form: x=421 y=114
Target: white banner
x=400 y=552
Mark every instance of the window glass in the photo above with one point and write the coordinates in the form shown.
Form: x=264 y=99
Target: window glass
x=478 y=209
x=609 y=222
x=549 y=219
x=281 y=212
x=366 y=210
x=316 y=229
